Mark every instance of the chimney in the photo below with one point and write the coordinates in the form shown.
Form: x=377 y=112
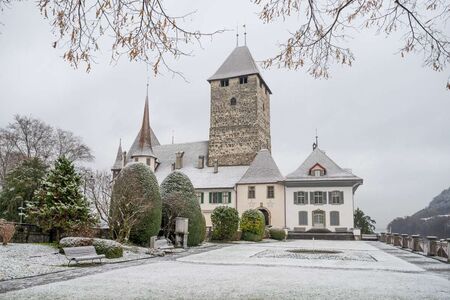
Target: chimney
x=179 y=160
x=124 y=158
x=216 y=166
x=201 y=162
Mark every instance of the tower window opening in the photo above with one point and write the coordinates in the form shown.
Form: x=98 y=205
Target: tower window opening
x=233 y=101
x=243 y=80
x=224 y=82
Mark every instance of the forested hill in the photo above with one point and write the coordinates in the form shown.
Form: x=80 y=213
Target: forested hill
x=432 y=220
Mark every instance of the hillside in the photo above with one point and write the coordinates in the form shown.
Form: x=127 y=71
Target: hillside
x=432 y=220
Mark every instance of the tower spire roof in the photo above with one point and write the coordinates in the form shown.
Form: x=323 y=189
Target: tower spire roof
x=239 y=63
x=119 y=161
x=146 y=139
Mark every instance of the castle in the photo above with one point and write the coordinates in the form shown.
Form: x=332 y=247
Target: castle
x=235 y=166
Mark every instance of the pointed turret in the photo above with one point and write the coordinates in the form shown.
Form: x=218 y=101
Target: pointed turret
x=118 y=164
x=142 y=147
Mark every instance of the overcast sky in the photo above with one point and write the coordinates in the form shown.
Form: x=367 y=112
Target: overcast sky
x=386 y=118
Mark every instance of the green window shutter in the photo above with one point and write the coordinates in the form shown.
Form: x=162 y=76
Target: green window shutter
x=330 y=198
x=201 y=198
x=324 y=195
x=306 y=197
x=311 y=197
x=229 y=197
x=341 y=199
x=210 y=197
x=220 y=198
x=295 y=198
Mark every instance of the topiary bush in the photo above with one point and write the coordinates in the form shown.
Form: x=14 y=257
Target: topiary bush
x=277 y=234
x=225 y=221
x=179 y=200
x=111 y=249
x=252 y=225
x=135 y=205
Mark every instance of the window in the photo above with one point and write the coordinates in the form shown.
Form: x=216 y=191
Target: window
x=220 y=197
x=224 y=82
x=200 y=197
x=334 y=218
x=251 y=192
x=243 y=79
x=300 y=198
x=302 y=218
x=270 y=192
x=336 y=197
x=233 y=101
x=318 y=197
x=136 y=159
x=148 y=161
x=317 y=173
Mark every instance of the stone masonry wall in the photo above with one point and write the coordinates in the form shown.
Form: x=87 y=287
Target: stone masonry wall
x=238 y=132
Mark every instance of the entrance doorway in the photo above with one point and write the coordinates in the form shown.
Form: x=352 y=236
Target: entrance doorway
x=266 y=214
x=318 y=219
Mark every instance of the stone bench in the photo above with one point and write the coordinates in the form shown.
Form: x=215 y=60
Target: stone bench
x=83 y=253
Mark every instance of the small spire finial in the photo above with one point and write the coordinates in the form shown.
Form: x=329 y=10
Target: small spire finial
x=237 y=36
x=148 y=80
x=316 y=144
x=245 y=34
x=173 y=136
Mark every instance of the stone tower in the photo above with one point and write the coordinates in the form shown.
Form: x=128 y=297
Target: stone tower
x=240 y=111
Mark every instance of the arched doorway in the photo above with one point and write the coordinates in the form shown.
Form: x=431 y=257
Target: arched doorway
x=266 y=214
x=318 y=219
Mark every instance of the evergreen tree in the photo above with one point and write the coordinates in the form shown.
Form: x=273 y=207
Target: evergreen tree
x=363 y=222
x=59 y=204
x=19 y=187
x=179 y=200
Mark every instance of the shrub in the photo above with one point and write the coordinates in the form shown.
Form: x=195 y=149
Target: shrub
x=135 y=205
x=179 y=200
x=109 y=248
x=252 y=225
x=225 y=221
x=7 y=231
x=277 y=234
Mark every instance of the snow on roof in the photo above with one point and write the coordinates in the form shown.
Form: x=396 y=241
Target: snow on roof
x=263 y=169
x=203 y=178
x=333 y=171
x=146 y=139
x=240 y=62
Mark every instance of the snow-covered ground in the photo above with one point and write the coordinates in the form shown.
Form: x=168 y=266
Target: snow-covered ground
x=235 y=272
x=23 y=260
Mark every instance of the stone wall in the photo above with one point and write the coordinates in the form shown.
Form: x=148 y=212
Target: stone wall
x=238 y=132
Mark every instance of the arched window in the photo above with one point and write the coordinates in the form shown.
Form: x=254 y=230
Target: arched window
x=233 y=101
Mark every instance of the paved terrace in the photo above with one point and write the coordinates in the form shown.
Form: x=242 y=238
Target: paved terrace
x=360 y=270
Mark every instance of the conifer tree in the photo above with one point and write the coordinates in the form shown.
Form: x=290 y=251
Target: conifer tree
x=59 y=204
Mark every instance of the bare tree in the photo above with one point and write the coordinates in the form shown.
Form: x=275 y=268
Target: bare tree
x=8 y=157
x=98 y=191
x=319 y=40
x=31 y=137
x=71 y=146
x=143 y=30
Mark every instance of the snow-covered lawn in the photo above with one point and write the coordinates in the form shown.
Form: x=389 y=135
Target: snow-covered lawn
x=234 y=273
x=23 y=260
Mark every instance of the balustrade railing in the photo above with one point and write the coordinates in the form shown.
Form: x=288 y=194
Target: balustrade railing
x=429 y=246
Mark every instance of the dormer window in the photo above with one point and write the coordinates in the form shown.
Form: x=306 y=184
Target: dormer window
x=317 y=170
x=224 y=82
x=243 y=80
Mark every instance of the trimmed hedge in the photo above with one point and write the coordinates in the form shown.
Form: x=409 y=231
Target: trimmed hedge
x=252 y=225
x=179 y=200
x=137 y=184
x=277 y=234
x=225 y=221
x=111 y=249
